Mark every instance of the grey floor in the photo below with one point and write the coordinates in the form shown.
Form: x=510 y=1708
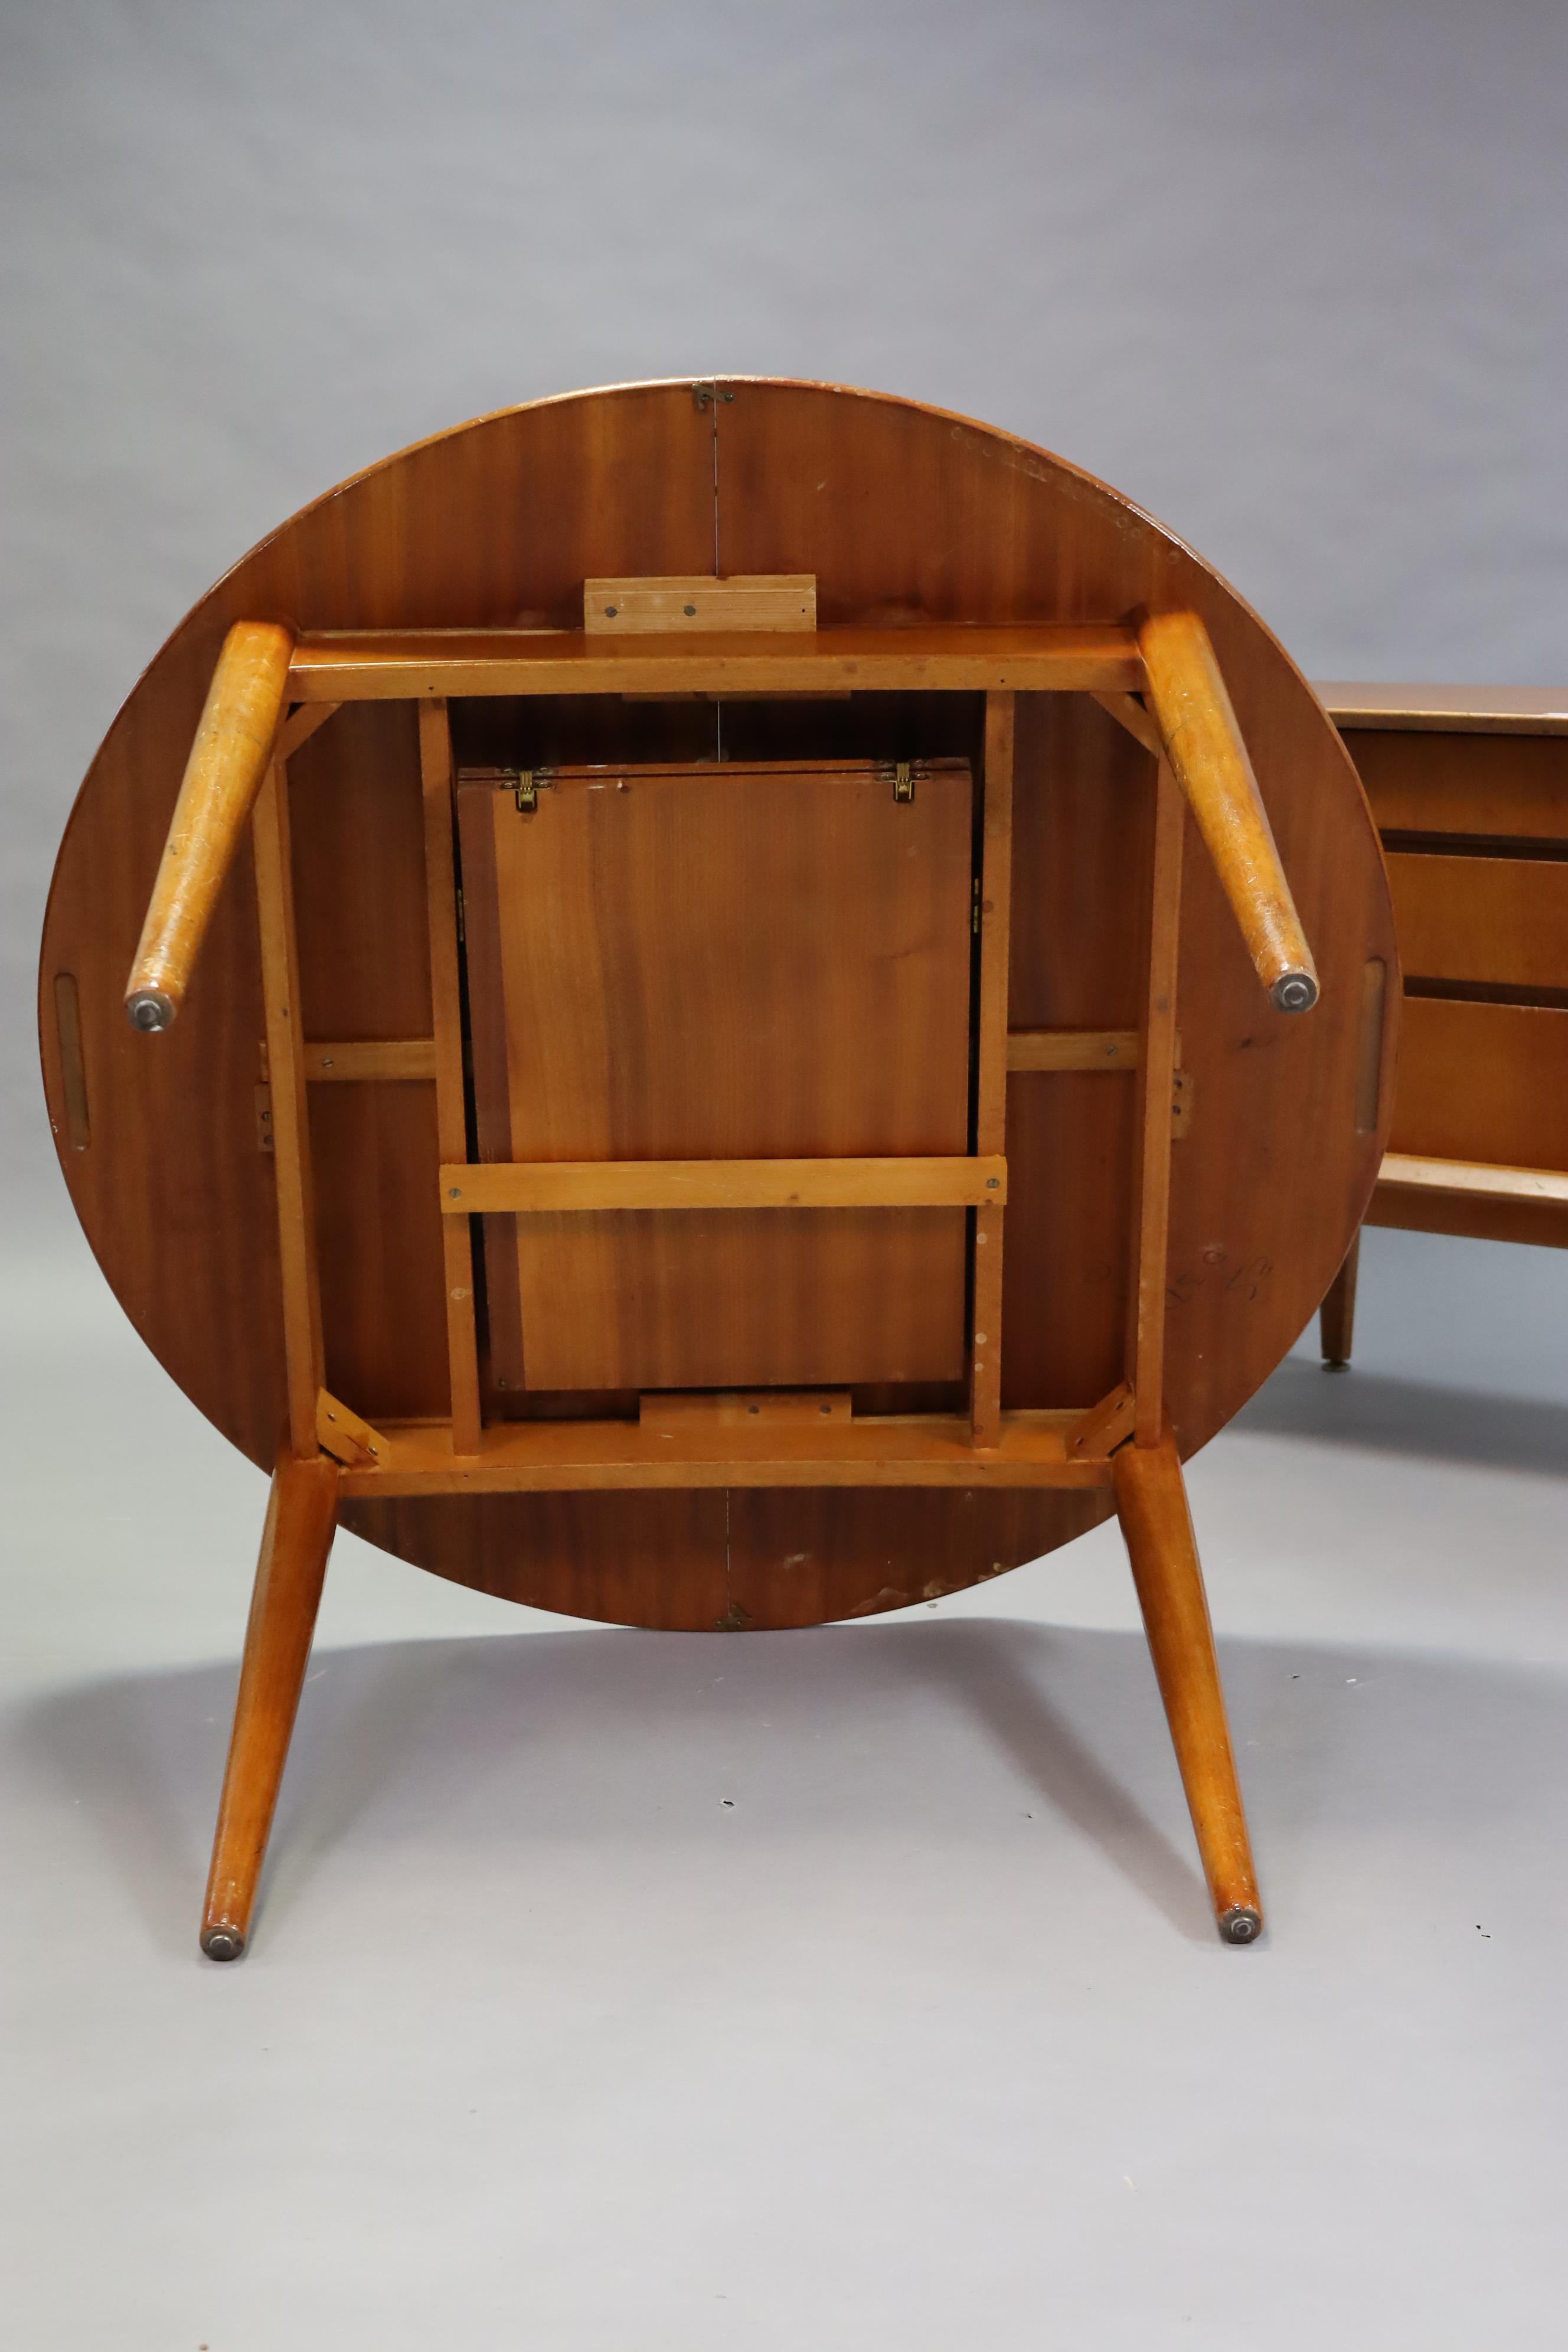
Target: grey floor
x=845 y=1988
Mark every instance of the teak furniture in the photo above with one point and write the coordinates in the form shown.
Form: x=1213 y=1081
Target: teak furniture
x=1470 y=787
x=721 y=1030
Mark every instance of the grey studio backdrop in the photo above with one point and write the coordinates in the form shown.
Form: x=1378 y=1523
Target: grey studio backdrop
x=1292 y=276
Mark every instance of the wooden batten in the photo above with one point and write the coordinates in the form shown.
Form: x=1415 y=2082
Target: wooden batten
x=756 y=599
x=991 y=1072
x=1074 y=1049
x=546 y=1186
x=291 y=1119
x=451 y=1111
x=393 y=1059
x=1151 y=1224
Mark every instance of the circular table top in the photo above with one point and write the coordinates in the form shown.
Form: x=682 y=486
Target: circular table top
x=905 y=515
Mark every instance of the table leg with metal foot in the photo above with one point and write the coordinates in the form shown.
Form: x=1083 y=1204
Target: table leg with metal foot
x=1151 y=1503
x=298 y=1537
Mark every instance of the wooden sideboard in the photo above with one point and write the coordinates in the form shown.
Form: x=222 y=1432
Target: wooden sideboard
x=1469 y=786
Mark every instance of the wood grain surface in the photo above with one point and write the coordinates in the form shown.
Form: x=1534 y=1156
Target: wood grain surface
x=727 y=964
x=908 y=519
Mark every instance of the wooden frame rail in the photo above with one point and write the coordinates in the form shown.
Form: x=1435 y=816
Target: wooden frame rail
x=995 y=911
x=421 y=664
x=1030 y=1449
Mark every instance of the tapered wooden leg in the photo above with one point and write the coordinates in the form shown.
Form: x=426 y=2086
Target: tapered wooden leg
x=1337 y=1319
x=300 y=1516
x=1151 y=1502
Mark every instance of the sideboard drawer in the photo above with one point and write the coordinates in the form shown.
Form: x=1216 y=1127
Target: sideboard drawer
x=1487 y=1082
x=1500 y=922
x=1498 y=785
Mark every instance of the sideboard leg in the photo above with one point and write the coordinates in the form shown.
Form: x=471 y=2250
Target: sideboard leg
x=295 y=1542
x=1336 y=1319
x=1151 y=1503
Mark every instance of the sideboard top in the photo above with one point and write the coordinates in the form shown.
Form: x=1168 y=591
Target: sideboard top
x=1447 y=710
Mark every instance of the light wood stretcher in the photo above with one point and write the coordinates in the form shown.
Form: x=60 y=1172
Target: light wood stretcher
x=726 y=1097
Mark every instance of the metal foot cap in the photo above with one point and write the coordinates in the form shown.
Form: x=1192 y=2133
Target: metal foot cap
x=1241 y=1924
x=221 y=1943
x=1294 y=992
x=150 y=1008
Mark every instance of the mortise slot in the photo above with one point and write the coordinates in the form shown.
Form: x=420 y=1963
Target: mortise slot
x=1368 y=1060
x=73 y=1072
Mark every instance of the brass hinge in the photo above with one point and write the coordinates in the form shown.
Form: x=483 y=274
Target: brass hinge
x=1181 y=1104
x=525 y=791
x=900 y=774
x=974 y=907
x=705 y=392
x=462 y=933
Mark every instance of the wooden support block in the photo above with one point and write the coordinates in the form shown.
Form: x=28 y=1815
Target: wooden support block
x=756 y=599
x=1129 y=713
x=1151 y=1503
x=395 y=1059
x=682 y=1412
x=1074 y=1049
x=301 y=1516
x=344 y=1436
x=518 y=1188
x=1204 y=743
x=300 y=725
x=1105 y=1425
x=228 y=759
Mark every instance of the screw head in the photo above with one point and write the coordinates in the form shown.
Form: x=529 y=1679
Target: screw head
x=1241 y=1924
x=1294 y=992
